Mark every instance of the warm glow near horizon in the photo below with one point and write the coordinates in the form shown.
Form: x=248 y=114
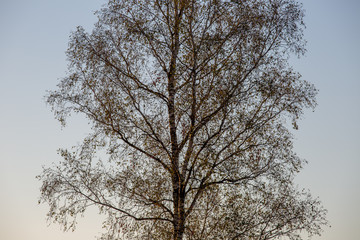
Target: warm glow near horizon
x=34 y=37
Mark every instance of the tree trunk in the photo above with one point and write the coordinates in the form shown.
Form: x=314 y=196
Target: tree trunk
x=179 y=209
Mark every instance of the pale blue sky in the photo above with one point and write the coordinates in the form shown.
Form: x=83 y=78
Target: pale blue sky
x=33 y=38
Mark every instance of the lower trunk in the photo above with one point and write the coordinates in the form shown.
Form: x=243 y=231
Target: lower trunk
x=179 y=226
x=179 y=210
x=179 y=232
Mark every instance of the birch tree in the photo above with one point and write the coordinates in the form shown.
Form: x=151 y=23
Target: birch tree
x=191 y=102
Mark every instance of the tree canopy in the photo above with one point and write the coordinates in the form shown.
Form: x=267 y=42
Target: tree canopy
x=189 y=101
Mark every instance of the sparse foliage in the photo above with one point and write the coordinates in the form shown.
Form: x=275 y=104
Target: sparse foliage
x=189 y=101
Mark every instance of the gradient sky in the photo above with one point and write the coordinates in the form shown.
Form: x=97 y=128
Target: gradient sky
x=33 y=38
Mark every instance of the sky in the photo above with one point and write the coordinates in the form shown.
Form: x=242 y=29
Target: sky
x=33 y=38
